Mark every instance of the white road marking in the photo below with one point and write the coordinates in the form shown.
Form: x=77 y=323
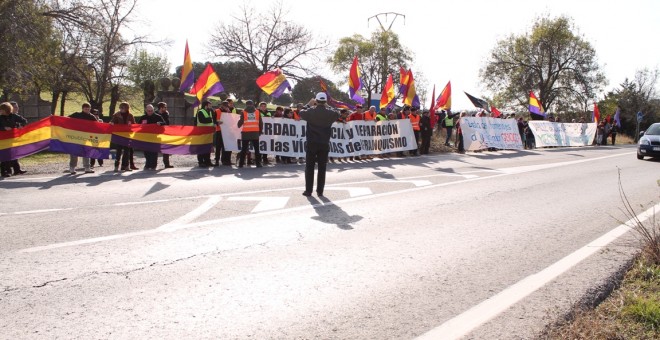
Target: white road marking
x=87 y=241
x=352 y=191
x=417 y=183
x=468 y=321
x=189 y=217
x=40 y=211
x=266 y=203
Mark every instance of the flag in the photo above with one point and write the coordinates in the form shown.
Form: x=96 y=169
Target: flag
x=535 y=105
x=187 y=74
x=80 y=137
x=403 y=80
x=354 y=82
x=273 y=83
x=432 y=115
x=596 y=115
x=480 y=103
x=444 y=100
x=207 y=84
x=331 y=101
x=18 y=143
x=169 y=139
x=410 y=96
x=617 y=117
x=388 y=95
x=495 y=111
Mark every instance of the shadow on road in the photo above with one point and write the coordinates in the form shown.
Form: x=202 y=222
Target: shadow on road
x=330 y=213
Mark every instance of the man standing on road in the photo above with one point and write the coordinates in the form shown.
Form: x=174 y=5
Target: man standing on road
x=20 y=122
x=251 y=126
x=162 y=111
x=319 y=120
x=84 y=114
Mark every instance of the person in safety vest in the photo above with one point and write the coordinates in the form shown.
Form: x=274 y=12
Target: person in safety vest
x=251 y=127
x=205 y=118
x=414 y=120
x=448 y=124
x=371 y=114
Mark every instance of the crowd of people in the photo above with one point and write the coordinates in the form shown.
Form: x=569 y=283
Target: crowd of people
x=251 y=127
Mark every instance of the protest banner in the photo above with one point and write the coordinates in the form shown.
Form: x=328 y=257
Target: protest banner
x=484 y=132
x=562 y=134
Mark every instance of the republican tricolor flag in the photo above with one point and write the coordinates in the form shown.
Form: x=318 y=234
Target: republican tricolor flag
x=388 y=95
x=444 y=100
x=273 y=83
x=207 y=85
x=535 y=106
x=596 y=116
x=354 y=82
x=187 y=74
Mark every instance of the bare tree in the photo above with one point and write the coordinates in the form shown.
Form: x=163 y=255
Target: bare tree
x=267 y=40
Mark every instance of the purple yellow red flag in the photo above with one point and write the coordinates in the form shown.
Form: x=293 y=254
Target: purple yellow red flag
x=331 y=101
x=410 y=96
x=388 y=95
x=79 y=137
x=169 y=139
x=273 y=83
x=495 y=111
x=18 y=143
x=207 y=84
x=535 y=105
x=617 y=117
x=355 y=82
x=187 y=74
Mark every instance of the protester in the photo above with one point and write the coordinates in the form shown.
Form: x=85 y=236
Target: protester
x=150 y=117
x=7 y=123
x=448 y=124
x=426 y=131
x=204 y=117
x=371 y=114
x=414 y=120
x=93 y=161
x=319 y=122
x=20 y=122
x=218 y=142
x=459 y=132
x=162 y=111
x=613 y=131
x=123 y=117
x=84 y=114
x=251 y=126
x=357 y=115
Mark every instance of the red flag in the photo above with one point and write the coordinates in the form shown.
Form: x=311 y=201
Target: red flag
x=596 y=116
x=444 y=101
x=495 y=111
x=432 y=109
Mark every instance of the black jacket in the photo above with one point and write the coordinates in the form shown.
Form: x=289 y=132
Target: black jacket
x=153 y=119
x=84 y=116
x=319 y=122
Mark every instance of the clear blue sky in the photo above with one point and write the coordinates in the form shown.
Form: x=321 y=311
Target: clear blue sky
x=451 y=40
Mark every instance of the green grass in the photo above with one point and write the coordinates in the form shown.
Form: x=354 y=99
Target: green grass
x=644 y=310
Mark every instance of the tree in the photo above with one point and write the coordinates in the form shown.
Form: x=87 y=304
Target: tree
x=307 y=89
x=378 y=57
x=29 y=43
x=266 y=40
x=637 y=95
x=552 y=60
x=146 y=66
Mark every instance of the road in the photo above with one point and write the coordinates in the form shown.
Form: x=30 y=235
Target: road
x=480 y=246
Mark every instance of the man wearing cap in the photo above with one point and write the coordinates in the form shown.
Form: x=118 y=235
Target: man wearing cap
x=205 y=118
x=251 y=127
x=319 y=120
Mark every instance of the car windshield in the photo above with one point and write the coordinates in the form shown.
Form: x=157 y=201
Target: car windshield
x=653 y=130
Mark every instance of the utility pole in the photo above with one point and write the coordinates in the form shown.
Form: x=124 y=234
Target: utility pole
x=382 y=19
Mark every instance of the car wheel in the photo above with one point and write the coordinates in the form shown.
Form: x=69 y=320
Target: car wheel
x=640 y=156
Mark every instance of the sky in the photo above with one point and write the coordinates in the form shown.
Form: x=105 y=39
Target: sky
x=450 y=40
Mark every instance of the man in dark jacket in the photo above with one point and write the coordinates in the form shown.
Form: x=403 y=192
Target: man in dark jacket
x=151 y=117
x=319 y=120
x=251 y=127
x=20 y=122
x=162 y=111
x=85 y=114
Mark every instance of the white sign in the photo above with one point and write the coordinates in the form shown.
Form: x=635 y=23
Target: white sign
x=287 y=137
x=562 y=134
x=485 y=132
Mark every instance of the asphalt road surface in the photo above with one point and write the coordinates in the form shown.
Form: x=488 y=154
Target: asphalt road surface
x=479 y=246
